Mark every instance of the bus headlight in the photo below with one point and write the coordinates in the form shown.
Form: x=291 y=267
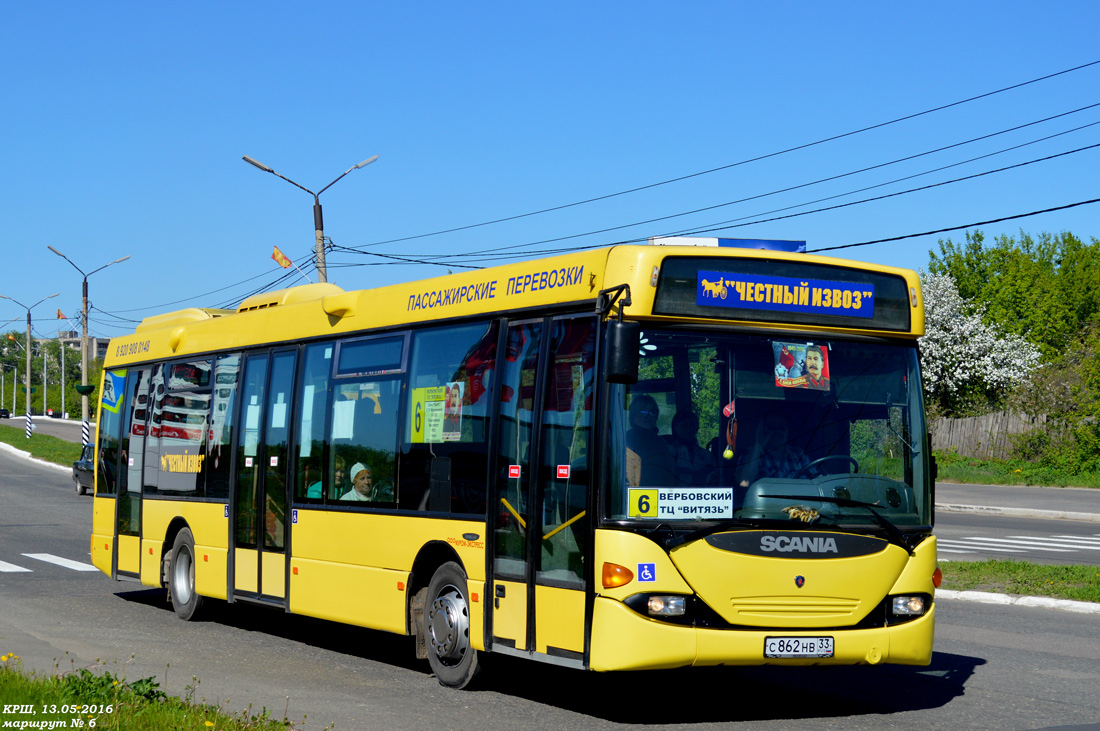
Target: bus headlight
x=666 y=606
x=908 y=606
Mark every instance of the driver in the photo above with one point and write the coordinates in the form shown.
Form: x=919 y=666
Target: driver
x=773 y=455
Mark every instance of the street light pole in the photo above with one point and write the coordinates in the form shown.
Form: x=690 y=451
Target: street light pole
x=28 y=349
x=318 y=220
x=84 y=390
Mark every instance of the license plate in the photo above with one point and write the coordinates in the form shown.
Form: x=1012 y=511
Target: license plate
x=798 y=647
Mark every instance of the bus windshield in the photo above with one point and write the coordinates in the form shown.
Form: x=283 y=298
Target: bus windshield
x=763 y=428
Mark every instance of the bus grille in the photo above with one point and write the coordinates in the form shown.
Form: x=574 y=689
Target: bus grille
x=785 y=607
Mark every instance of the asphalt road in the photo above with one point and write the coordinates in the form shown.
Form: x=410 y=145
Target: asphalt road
x=994 y=666
x=976 y=537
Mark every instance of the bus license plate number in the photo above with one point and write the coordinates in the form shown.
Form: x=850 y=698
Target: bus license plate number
x=798 y=647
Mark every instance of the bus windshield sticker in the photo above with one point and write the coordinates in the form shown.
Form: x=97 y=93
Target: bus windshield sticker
x=681 y=503
x=452 y=414
x=785 y=294
x=426 y=406
x=114 y=386
x=801 y=365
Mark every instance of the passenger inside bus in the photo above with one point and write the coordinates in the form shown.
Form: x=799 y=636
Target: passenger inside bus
x=694 y=465
x=657 y=465
x=361 y=487
x=340 y=481
x=773 y=453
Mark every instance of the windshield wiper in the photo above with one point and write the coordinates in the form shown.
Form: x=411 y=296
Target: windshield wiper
x=895 y=536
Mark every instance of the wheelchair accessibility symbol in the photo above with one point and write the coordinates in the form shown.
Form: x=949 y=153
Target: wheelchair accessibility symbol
x=647 y=572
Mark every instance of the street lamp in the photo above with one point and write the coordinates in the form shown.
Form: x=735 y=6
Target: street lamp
x=28 y=349
x=318 y=222
x=84 y=389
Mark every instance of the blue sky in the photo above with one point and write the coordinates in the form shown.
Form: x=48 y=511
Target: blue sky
x=123 y=127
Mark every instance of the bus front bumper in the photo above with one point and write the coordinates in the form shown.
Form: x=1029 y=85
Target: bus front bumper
x=624 y=640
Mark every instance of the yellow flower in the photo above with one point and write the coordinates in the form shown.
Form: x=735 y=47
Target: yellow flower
x=3 y=658
x=209 y=723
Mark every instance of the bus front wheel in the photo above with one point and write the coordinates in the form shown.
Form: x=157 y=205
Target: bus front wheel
x=181 y=576
x=446 y=628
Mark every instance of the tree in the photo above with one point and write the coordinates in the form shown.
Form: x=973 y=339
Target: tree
x=967 y=364
x=1045 y=289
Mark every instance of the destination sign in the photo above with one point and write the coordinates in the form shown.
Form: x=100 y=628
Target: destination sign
x=785 y=294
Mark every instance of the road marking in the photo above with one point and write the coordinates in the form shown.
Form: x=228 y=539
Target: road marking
x=67 y=563
x=11 y=568
x=955 y=546
x=1032 y=544
x=1084 y=544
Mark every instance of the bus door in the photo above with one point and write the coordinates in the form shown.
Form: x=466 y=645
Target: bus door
x=258 y=504
x=541 y=529
x=133 y=411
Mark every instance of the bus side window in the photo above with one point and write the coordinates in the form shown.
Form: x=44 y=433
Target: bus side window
x=312 y=413
x=364 y=434
x=223 y=423
x=444 y=460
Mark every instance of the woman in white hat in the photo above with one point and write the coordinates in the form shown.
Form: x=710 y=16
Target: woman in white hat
x=360 y=483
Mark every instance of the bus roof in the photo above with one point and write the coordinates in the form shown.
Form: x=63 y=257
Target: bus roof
x=567 y=281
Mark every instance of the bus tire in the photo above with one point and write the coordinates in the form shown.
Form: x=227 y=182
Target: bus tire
x=181 y=577
x=446 y=628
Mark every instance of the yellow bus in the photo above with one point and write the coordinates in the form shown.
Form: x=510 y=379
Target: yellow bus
x=628 y=458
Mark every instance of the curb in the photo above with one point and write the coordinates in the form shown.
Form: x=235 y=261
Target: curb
x=1019 y=512
x=27 y=455
x=983 y=597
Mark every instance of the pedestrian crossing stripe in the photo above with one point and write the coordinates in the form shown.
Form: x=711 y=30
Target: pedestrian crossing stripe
x=11 y=568
x=67 y=563
x=1020 y=544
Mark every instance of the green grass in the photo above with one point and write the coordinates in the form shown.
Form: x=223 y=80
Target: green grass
x=1080 y=583
x=956 y=468
x=41 y=446
x=106 y=701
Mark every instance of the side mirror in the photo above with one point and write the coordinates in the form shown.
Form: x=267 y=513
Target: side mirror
x=624 y=337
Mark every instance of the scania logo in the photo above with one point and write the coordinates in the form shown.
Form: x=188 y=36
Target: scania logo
x=798 y=544
x=799 y=581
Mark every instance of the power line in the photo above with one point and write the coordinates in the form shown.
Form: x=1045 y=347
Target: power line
x=717 y=226
x=740 y=162
x=902 y=192
x=451 y=257
x=956 y=228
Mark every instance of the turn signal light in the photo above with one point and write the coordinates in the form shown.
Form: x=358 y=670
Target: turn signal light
x=937 y=577
x=615 y=575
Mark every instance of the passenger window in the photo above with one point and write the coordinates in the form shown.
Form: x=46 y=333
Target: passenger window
x=364 y=435
x=223 y=422
x=313 y=422
x=444 y=460
x=178 y=440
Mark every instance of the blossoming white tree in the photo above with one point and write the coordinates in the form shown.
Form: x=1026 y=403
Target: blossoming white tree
x=961 y=356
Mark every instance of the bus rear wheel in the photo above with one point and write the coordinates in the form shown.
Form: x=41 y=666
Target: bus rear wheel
x=181 y=577
x=446 y=628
